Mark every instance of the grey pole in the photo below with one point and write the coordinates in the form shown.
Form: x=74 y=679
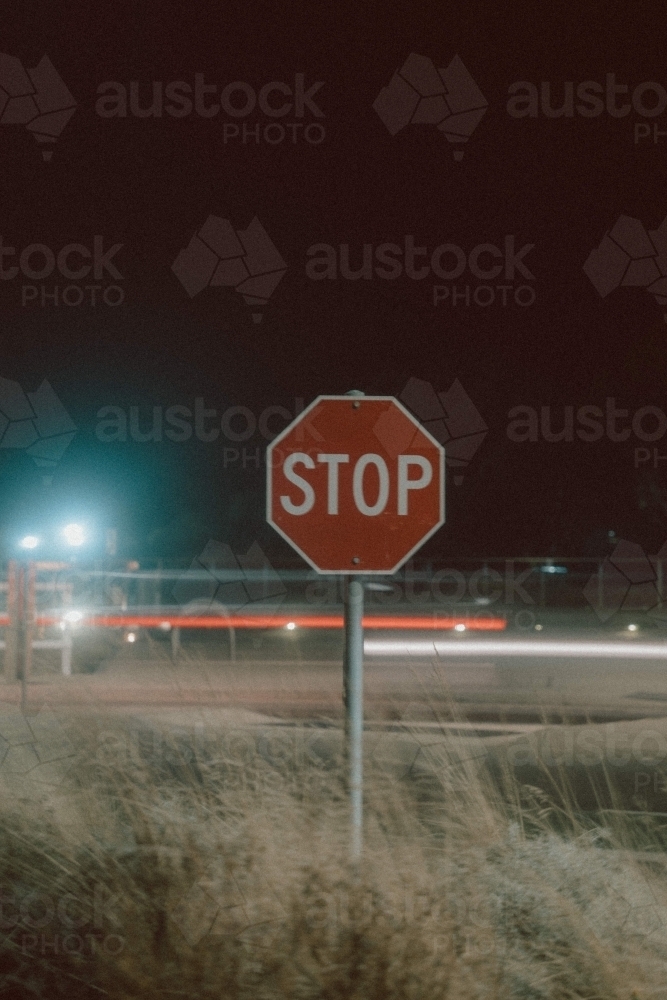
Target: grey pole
x=354 y=709
x=353 y=696
x=66 y=655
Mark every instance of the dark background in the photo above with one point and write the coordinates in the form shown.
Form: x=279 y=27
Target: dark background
x=150 y=184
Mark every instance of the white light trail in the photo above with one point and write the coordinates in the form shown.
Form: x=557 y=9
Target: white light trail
x=592 y=650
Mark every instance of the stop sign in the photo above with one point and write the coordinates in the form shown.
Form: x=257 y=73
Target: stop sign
x=355 y=484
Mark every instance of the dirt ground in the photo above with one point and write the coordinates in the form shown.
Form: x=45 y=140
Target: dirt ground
x=585 y=720
x=505 y=691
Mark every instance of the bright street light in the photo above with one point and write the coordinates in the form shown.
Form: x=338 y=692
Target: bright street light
x=74 y=534
x=29 y=542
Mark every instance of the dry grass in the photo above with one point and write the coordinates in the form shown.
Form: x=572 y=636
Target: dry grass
x=220 y=870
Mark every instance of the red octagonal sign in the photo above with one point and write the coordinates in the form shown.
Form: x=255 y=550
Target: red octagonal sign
x=355 y=484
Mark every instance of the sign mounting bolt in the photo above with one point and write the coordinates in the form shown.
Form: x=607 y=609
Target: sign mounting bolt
x=355 y=392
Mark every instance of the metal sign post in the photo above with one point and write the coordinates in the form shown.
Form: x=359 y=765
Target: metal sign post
x=353 y=680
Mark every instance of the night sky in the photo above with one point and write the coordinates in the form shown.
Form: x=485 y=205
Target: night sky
x=150 y=183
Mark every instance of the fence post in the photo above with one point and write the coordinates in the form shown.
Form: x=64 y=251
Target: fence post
x=66 y=655
x=12 y=633
x=28 y=577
